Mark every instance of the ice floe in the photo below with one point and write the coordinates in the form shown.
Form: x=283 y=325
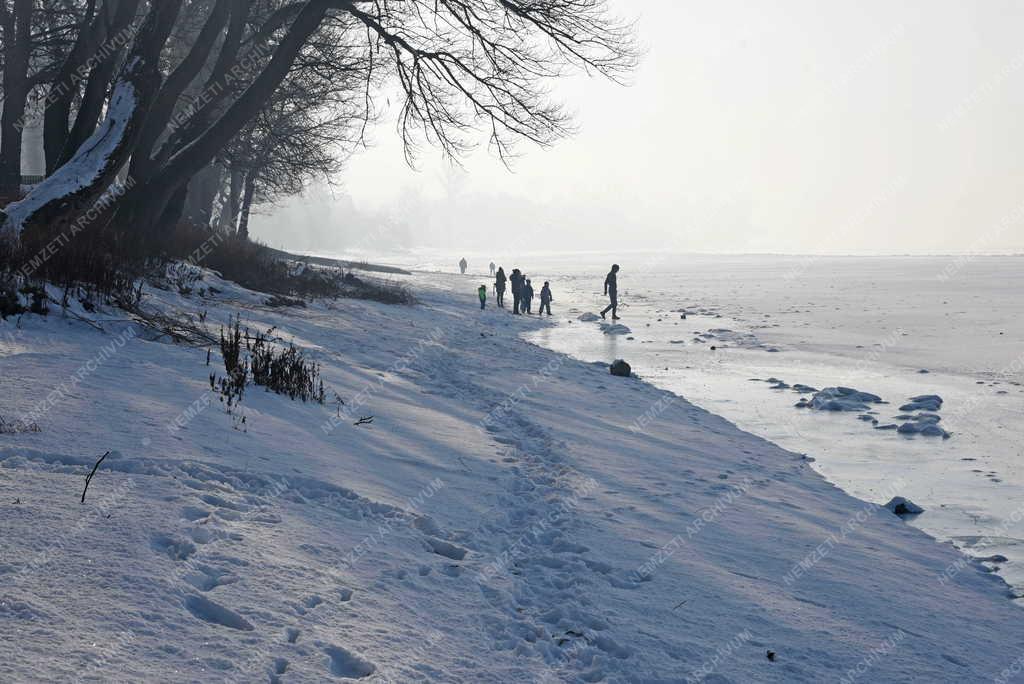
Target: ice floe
x=615 y=329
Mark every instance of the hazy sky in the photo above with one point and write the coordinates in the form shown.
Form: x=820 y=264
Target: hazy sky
x=793 y=126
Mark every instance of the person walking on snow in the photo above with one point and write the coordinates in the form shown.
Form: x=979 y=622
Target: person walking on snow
x=462 y=265
x=611 y=288
x=527 y=296
x=492 y=269
x=482 y=293
x=516 y=281
x=499 y=287
x=545 y=299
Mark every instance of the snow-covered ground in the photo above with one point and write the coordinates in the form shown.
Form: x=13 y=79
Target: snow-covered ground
x=510 y=515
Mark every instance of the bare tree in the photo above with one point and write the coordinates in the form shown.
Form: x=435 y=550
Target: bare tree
x=461 y=65
x=311 y=125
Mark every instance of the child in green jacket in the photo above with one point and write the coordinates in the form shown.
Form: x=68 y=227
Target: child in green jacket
x=482 y=291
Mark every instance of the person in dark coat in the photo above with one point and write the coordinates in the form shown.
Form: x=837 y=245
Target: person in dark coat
x=499 y=286
x=462 y=265
x=516 y=282
x=611 y=288
x=545 y=299
x=527 y=296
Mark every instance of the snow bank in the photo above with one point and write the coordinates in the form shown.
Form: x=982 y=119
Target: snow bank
x=511 y=515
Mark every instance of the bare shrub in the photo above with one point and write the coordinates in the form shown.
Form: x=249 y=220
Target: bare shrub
x=284 y=370
x=17 y=427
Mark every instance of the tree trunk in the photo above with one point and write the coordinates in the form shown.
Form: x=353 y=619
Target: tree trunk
x=17 y=33
x=250 y=190
x=213 y=88
x=163 y=108
x=64 y=89
x=202 y=191
x=105 y=61
x=172 y=213
x=228 y=221
x=72 y=189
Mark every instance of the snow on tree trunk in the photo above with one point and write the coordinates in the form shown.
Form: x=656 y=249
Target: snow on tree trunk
x=73 y=188
x=81 y=181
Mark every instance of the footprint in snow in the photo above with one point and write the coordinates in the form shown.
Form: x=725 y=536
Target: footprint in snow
x=194 y=513
x=214 y=613
x=221 y=502
x=446 y=549
x=175 y=548
x=206 y=578
x=206 y=534
x=279 y=668
x=308 y=604
x=343 y=663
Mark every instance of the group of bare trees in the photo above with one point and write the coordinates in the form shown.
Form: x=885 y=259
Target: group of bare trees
x=197 y=109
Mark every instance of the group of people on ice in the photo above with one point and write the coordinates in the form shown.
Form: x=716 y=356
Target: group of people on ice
x=522 y=291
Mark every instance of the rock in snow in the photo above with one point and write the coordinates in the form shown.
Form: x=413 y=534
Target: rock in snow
x=925 y=402
x=620 y=368
x=923 y=423
x=925 y=428
x=588 y=317
x=901 y=506
x=843 y=399
x=615 y=329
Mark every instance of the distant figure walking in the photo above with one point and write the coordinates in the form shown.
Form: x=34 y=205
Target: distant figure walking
x=611 y=288
x=545 y=299
x=482 y=293
x=527 y=296
x=499 y=287
x=462 y=265
x=492 y=269
x=516 y=281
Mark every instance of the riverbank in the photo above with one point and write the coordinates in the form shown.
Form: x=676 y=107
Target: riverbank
x=812 y=323
x=501 y=513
